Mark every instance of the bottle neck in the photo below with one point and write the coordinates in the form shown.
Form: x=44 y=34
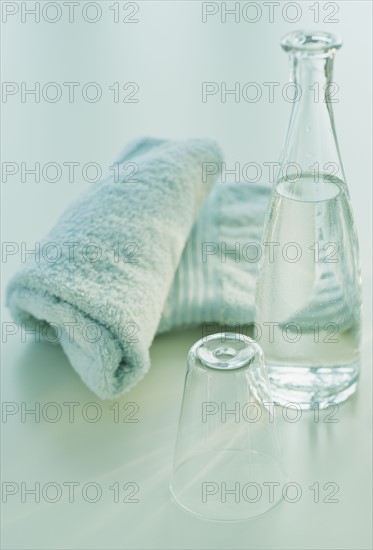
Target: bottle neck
x=312 y=77
x=311 y=140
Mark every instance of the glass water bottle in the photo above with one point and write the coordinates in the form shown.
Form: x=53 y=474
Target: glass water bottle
x=308 y=298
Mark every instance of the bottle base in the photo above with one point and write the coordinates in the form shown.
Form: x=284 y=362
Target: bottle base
x=306 y=386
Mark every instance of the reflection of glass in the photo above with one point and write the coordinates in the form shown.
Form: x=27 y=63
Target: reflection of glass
x=308 y=293
x=227 y=463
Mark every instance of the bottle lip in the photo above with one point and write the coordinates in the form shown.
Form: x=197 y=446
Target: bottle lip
x=311 y=42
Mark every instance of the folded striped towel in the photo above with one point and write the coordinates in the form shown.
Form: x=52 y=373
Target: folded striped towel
x=215 y=282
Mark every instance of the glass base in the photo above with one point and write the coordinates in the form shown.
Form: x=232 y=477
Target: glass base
x=307 y=386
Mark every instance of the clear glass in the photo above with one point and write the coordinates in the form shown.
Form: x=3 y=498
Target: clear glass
x=308 y=299
x=227 y=462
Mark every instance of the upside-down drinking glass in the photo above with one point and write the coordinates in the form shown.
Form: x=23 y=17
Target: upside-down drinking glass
x=227 y=462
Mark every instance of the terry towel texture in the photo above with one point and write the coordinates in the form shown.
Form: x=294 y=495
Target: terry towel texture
x=106 y=310
x=110 y=306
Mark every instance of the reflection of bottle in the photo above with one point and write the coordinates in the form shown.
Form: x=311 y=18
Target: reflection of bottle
x=308 y=293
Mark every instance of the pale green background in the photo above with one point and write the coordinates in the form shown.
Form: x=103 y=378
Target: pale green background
x=169 y=53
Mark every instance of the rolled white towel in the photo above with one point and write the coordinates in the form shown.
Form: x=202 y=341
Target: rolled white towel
x=113 y=307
